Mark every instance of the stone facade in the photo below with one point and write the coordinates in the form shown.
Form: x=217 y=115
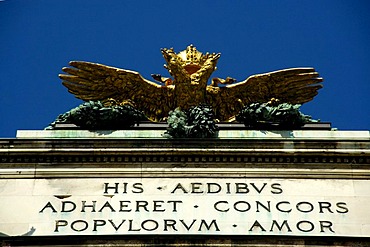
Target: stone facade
x=329 y=170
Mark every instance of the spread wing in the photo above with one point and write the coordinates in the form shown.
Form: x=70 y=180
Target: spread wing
x=295 y=86
x=91 y=81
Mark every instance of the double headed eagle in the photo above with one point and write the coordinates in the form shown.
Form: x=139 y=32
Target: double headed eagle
x=190 y=70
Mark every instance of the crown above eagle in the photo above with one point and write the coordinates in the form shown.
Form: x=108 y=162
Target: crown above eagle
x=193 y=59
x=190 y=59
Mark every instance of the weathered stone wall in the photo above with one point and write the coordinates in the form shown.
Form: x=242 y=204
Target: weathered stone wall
x=45 y=164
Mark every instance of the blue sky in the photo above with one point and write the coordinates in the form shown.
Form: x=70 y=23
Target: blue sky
x=38 y=38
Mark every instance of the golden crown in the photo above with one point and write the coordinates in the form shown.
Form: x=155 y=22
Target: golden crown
x=192 y=59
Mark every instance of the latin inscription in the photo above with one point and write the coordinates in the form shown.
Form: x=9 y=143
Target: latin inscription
x=185 y=206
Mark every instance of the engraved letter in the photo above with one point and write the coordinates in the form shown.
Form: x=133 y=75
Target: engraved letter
x=276 y=188
x=48 y=205
x=92 y=206
x=342 y=205
x=218 y=209
x=106 y=188
x=174 y=205
x=64 y=203
x=280 y=228
x=139 y=188
x=326 y=224
x=257 y=224
x=59 y=223
x=98 y=223
x=179 y=186
x=168 y=223
x=204 y=223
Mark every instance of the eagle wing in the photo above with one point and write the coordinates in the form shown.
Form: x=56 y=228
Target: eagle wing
x=92 y=81
x=295 y=86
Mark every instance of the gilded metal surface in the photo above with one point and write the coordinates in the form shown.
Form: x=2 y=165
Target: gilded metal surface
x=191 y=71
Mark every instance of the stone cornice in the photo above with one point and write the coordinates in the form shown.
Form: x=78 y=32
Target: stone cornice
x=328 y=156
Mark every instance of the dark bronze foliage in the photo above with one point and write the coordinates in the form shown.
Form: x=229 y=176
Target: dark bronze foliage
x=197 y=122
x=93 y=115
x=265 y=116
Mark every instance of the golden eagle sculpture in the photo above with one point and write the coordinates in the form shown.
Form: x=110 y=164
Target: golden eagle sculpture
x=190 y=70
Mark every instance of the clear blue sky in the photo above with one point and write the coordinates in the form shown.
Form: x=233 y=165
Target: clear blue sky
x=38 y=38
